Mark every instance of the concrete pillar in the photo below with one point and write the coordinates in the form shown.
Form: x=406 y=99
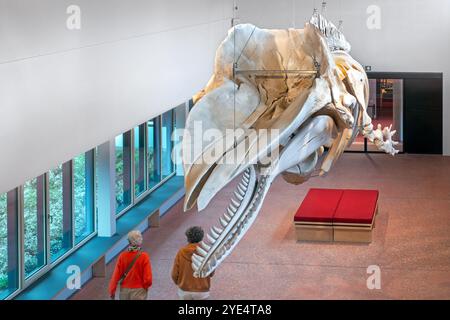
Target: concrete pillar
x=106 y=197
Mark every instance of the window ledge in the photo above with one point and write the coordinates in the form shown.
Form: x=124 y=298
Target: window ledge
x=53 y=283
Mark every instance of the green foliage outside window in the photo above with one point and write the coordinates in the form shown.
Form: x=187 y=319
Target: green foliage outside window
x=80 y=205
x=120 y=203
x=31 y=236
x=55 y=180
x=3 y=243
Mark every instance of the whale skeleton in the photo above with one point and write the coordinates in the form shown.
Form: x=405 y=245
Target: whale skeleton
x=301 y=83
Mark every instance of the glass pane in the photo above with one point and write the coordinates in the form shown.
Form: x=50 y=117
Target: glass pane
x=59 y=211
x=83 y=206
x=34 y=225
x=123 y=171
x=9 y=275
x=139 y=159
x=96 y=184
x=153 y=152
x=385 y=107
x=167 y=144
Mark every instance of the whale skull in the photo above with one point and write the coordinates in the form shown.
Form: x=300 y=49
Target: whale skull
x=304 y=84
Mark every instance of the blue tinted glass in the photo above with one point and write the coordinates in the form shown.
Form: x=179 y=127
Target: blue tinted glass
x=60 y=211
x=123 y=171
x=9 y=280
x=153 y=152
x=34 y=225
x=139 y=159
x=83 y=195
x=167 y=144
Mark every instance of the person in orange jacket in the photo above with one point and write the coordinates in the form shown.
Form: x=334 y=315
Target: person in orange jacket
x=133 y=271
x=189 y=287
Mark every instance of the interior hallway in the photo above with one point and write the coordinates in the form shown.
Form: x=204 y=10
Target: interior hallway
x=411 y=242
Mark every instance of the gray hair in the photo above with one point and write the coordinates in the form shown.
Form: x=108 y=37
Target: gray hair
x=194 y=234
x=135 y=238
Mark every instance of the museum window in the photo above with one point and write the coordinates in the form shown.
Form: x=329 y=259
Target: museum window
x=60 y=210
x=167 y=144
x=153 y=152
x=9 y=261
x=83 y=195
x=139 y=160
x=123 y=171
x=34 y=225
x=56 y=212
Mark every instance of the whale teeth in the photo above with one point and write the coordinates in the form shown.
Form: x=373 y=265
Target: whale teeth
x=210 y=238
x=214 y=233
x=201 y=251
x=217 y=230
x=205 y=246
x=220 y=240
x=196 y=259
x=235 y=203
x=227 y=217
x=195 y=266
x=230 y=212
x=241 y=189
x=238 y=195
x=223 y=222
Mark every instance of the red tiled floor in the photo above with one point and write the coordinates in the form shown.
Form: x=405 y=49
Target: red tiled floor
x=411 y=240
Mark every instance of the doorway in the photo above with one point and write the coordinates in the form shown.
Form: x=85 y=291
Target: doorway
x=412 y=103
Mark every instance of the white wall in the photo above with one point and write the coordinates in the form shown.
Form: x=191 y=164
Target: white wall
x=65 y=91
x=414 y=34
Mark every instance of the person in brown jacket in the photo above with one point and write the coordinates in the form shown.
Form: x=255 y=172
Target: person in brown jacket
x=189 y=287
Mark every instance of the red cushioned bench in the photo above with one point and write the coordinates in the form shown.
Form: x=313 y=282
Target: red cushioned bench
x=314 y=219
x=355 y=216
x=337 y=215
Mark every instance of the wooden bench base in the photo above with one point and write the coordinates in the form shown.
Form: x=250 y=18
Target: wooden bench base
x=328 y=233
x=358 y=233
x=362 y=234
x=337 y=215
x=314 y=232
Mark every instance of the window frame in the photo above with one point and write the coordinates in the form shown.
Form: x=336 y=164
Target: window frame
x=171 y=142
x=158 y=130
x=67 y=210
x=14 y=193
x=136 y=199
x=130 y=134
x=24 y=282
x=21 y=213
x=135 y=196
x=92 y=160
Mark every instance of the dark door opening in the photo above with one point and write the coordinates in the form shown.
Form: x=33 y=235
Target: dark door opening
x=412 y=103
